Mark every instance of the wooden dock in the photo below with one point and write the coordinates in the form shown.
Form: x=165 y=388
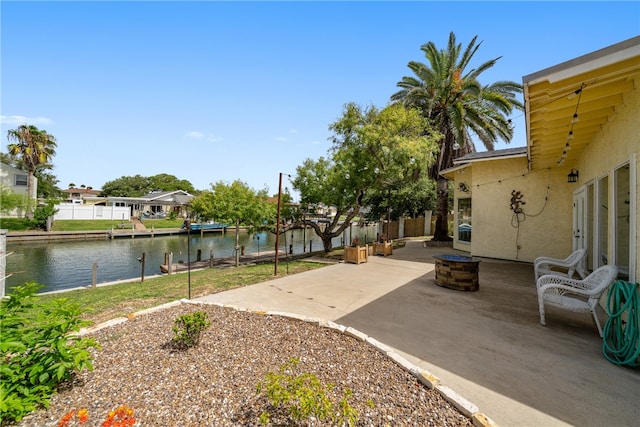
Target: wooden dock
x=262 y=257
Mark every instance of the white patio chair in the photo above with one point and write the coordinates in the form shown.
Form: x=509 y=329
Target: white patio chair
x=572 y=264
x=580 y=296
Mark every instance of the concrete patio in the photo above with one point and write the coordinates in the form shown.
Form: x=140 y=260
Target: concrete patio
x=488 y=345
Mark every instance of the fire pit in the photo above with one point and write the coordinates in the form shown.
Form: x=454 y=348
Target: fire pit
x=457 y=272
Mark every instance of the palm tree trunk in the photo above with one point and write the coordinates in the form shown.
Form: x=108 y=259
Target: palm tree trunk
x=441 y=233
x=30 y=196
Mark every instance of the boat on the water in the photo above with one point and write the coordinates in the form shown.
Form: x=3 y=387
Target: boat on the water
x=206 y=226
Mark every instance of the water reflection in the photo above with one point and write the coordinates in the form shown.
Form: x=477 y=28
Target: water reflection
x=64 y=265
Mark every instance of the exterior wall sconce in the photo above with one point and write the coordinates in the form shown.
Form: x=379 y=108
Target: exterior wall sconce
x=463 y=187
x=573 y=175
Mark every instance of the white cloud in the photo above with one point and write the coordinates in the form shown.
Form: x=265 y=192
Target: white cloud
x=24 y=120
x=195 y=135
x=280 y=139
x=293 y=131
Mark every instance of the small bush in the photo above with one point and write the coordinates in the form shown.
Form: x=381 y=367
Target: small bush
x=38 y=350
x=188 y=329
x=303 y=396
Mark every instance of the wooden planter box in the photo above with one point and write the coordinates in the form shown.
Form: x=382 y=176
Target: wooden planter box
x=356 y=254
x=384 y=249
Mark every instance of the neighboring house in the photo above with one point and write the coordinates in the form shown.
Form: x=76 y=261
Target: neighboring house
x=16 y=180
x=77 y=195
x=153 y=205
x=576 y=183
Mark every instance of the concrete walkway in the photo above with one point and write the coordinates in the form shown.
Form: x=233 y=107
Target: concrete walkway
x=487 y=346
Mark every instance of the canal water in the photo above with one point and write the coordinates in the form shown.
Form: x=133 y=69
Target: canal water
x=69 y=264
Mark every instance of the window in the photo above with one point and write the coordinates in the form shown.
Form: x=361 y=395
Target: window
x=21 y=180
x=464 y=220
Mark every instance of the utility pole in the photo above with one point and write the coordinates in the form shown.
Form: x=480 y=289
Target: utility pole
x=275 y=272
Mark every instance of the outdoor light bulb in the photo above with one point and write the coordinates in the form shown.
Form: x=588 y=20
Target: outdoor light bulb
x=346 y=175
x=412 y=160
x=575 y=118
x=570 y=137
x=456 y=146
x=567 y=147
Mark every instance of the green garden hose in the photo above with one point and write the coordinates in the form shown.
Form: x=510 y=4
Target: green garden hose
x=621 y=335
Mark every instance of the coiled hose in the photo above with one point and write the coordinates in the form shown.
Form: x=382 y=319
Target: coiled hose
x=621 y=335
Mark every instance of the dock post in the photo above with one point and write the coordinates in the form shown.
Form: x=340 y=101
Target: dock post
x=199 y=256
x=211 y=258
x=142 y=273
x=170 y=263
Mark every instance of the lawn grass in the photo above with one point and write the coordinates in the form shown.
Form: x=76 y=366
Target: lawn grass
x=163 y=223
x=87 y=224
x=108 y=302
x=16 y=224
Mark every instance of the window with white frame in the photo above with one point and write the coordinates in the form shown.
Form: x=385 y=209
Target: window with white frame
x=21 y=180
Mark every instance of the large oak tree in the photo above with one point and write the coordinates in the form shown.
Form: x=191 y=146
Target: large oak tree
x=372 y=150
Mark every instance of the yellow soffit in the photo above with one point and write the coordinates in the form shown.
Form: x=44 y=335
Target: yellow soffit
x=568 y=105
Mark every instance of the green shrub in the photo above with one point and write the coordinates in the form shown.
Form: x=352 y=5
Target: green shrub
x=42 y=213
x=303 y=396
x=38 y=350
x=188 y=329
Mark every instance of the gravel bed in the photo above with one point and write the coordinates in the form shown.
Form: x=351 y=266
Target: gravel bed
x=214 y=384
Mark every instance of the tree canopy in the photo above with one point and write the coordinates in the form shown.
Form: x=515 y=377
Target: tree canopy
x=373 y=150
x=234 y=203
x=237 y=204
x=137 y=186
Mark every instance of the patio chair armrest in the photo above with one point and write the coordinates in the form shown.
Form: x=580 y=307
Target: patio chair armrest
x=561 y=281
x=566 y=289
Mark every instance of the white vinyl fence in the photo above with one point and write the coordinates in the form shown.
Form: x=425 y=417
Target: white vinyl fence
x=76 y=211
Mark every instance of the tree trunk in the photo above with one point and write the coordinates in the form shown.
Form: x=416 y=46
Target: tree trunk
x=30 y=197
x=441 y=233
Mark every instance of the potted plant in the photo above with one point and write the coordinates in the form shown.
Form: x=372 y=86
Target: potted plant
x=356 y=253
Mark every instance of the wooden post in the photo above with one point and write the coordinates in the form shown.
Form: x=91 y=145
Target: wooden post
x=170 y=263
x=94 y=276
x=142 y=261
x=211 y=258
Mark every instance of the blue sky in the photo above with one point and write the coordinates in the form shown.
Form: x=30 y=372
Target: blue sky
x=210 y=91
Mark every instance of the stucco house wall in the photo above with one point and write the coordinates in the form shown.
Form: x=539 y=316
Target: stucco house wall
x=605 y=151
x=617 y=143
x=9 y=177
x=543 y=227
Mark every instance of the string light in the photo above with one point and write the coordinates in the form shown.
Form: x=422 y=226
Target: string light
x=574 y=120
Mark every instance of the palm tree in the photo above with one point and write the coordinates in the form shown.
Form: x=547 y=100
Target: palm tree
x=35 y=147
x=458 y=106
